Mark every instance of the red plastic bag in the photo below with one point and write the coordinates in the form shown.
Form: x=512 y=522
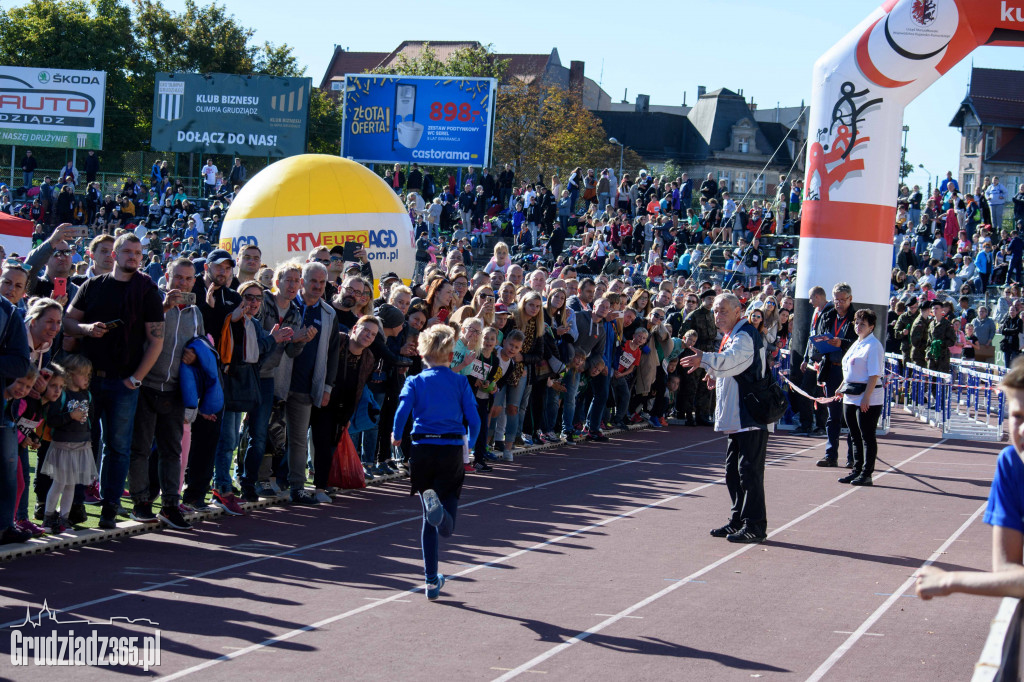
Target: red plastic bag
x=346 y=469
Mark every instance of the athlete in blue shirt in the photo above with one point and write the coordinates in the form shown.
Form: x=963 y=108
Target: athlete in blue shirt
x=443 y=408
x=1005 y=513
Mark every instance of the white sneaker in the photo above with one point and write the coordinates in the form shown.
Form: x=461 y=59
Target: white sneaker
x=507 y=456
x=322 y=497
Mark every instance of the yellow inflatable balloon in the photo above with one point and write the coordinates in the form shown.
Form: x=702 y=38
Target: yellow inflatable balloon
x=311 y=200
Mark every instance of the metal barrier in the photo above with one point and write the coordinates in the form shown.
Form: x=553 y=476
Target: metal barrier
x=781 y=372
x=964 y=403
x=1001 y=659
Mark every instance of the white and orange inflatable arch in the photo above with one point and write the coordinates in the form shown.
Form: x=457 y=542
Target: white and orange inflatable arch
x=860 y=89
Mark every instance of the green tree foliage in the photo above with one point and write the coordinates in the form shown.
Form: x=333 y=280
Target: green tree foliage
x=324 y=124
x=82 y=34
x=465 y=62
x=550 y=130
x=131 y=40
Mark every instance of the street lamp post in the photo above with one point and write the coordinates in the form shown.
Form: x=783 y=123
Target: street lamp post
x=903 y=155
x=622 y=149
x=930 y=176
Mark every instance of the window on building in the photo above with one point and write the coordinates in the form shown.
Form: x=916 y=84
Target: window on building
x=759 y=185
x=990 y=143
x=971 y=141
x=743 y=145
x=968 y=183
x=740 y=186
x=727 y=176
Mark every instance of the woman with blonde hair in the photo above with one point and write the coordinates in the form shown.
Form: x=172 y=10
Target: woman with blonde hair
x=528 y=319
x=770 y=310
x=500 y=261
x=483 y=304
x=364 y=300
x=467 y=347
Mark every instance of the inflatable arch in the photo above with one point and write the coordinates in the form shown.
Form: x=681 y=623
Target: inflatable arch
x=860 y=89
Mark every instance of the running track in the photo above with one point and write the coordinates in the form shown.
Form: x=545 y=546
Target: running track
x=584 y=562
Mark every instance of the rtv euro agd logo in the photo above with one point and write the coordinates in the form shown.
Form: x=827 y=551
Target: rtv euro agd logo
x=47 y=640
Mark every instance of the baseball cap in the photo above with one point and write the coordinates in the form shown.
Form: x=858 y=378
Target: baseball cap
x=218 y=256
x=500 y=308
x=388 y=277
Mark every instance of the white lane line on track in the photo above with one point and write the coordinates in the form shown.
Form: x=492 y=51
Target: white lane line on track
x=880 y=611
x=289 y=552
x=515 y=672
x=500 y=560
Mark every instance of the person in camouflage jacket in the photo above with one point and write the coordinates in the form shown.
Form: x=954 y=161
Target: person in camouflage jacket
x=941 y=337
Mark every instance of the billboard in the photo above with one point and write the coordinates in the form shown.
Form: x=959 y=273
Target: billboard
x=220 y=113
x=51 y=107
x=424 y=119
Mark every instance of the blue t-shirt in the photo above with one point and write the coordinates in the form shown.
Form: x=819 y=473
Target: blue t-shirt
x=1006 y=498
x=305 y=363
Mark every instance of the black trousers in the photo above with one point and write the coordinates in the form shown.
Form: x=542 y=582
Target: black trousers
x=834 y=425
x=744 y=477
x=810 y=418
x=863 y=426
x=199 y=471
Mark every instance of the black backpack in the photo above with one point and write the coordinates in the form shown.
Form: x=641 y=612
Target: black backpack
x=763 y=398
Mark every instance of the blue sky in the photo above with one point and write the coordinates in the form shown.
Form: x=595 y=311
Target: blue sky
x=767 y=48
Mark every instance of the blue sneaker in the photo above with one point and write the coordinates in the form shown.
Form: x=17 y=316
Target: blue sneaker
x=434 y=512
x=434 y=588
x=654 y=422
x=492 y=457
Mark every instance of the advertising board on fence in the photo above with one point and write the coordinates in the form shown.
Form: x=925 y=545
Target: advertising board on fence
x=219 y=113
x=51 y=107
x=424 y=119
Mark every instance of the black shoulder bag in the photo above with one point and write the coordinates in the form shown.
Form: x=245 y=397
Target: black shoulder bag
x=763 y=398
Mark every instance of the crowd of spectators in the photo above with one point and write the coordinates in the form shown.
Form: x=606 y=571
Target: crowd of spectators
x=954 y=254
x=143 y=364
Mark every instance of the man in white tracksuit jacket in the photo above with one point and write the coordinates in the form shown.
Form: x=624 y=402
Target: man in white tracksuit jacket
x=741 y=354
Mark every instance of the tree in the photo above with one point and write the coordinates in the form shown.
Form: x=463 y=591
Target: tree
x=549 y=129
x=130 y=42
x=95 y=35
x=324 y=131
x=466 y=62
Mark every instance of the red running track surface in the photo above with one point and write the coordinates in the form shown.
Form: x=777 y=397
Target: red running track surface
x=584 y=562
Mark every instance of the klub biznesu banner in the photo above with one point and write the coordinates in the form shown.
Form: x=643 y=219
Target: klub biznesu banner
x=42 y=107
x=421 y=119
x=219 y=113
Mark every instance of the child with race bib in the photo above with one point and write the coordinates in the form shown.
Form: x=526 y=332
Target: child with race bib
x=442 y=406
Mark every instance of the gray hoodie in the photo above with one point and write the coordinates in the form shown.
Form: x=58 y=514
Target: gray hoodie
x=181 y=325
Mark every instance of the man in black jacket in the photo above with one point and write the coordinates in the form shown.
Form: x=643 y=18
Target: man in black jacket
x=238 y=174
x=28 y=168
x=506 y=180
x=415 y=183
x=837 y=323
x=92 y=166
x=489 y=184
x=709 y=188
